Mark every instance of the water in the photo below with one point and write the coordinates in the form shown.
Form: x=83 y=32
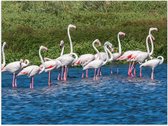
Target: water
x=112 y=99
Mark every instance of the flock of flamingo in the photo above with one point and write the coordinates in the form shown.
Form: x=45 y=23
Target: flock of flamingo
x=87 y=61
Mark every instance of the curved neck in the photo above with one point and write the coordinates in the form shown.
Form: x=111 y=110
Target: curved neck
x=76 y=56
x=147 y=45
x=3 y=55
x=41 y=58
x=69 y=36
x=119 y=44
x=26 y=62
x=111 y=55
x=62 y=51
x=107 y=59
x=161 y=60
x=93 y=44
x=152 y=48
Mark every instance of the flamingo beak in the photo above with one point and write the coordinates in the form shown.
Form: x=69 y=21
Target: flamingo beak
x=112 y=49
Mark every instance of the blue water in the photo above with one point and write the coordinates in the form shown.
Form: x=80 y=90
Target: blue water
x=112 y=99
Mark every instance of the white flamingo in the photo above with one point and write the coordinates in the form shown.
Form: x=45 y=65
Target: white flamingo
x=3 y=56
x=84 y=59
x=97 y=63
x=118 y=54
x=68 y=59
x=153 y=63
x=103 y=55
x=14 y=68
x=49 y=65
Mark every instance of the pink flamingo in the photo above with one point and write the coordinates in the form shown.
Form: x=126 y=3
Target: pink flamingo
x=68 y=59
x=153 y=63
x=130 y=55
x=118 y=54
x=142 y=56
x=33 y=70
x=97 y=63
x=3 y=56
x=84 y=59
x=62 y=52
x=49 y=65
x=14 y=68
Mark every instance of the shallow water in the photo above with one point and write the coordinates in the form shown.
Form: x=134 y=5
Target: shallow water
x=112 y=99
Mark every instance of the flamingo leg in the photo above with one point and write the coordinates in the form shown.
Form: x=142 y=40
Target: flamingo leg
x=15 y=84
x=87 y=73
x=129 y=66
x=100 y=73
x=13 y=81
x=82 y=74
x=49 y=78
x=62 y=73
x=135 y=70
x=65 y=73
x=59 y=75
x=132 y=67
x=32 y=82
x=94 y=73
x=152 y=74
x=140 y=73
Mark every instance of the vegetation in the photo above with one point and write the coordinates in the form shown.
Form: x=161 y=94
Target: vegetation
x=27 y=25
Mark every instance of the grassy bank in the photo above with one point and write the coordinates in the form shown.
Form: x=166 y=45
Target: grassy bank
x=27 y=25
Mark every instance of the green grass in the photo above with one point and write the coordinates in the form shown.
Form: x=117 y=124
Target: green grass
x=27 y=25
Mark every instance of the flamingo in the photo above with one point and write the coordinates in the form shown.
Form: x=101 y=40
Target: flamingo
x=33 y=70
x=14 y=68
x=49 y=65
x=62 y=52
x=84 y=59
x=98 y=62
x=103 y=55
x=3 y=56
x=118 y=54
x=68 y=59
x=142 y=56
x=153 y=63
x=131 y=54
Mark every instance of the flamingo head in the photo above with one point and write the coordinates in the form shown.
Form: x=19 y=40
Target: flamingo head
x=112 y=49
x=43 y=48
x=4 y=43
x=121 y=33
x=107 y=43
x=152 y=29
x=25 y=63
x=61 y=43
x=98 y=42
x=71 y=26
